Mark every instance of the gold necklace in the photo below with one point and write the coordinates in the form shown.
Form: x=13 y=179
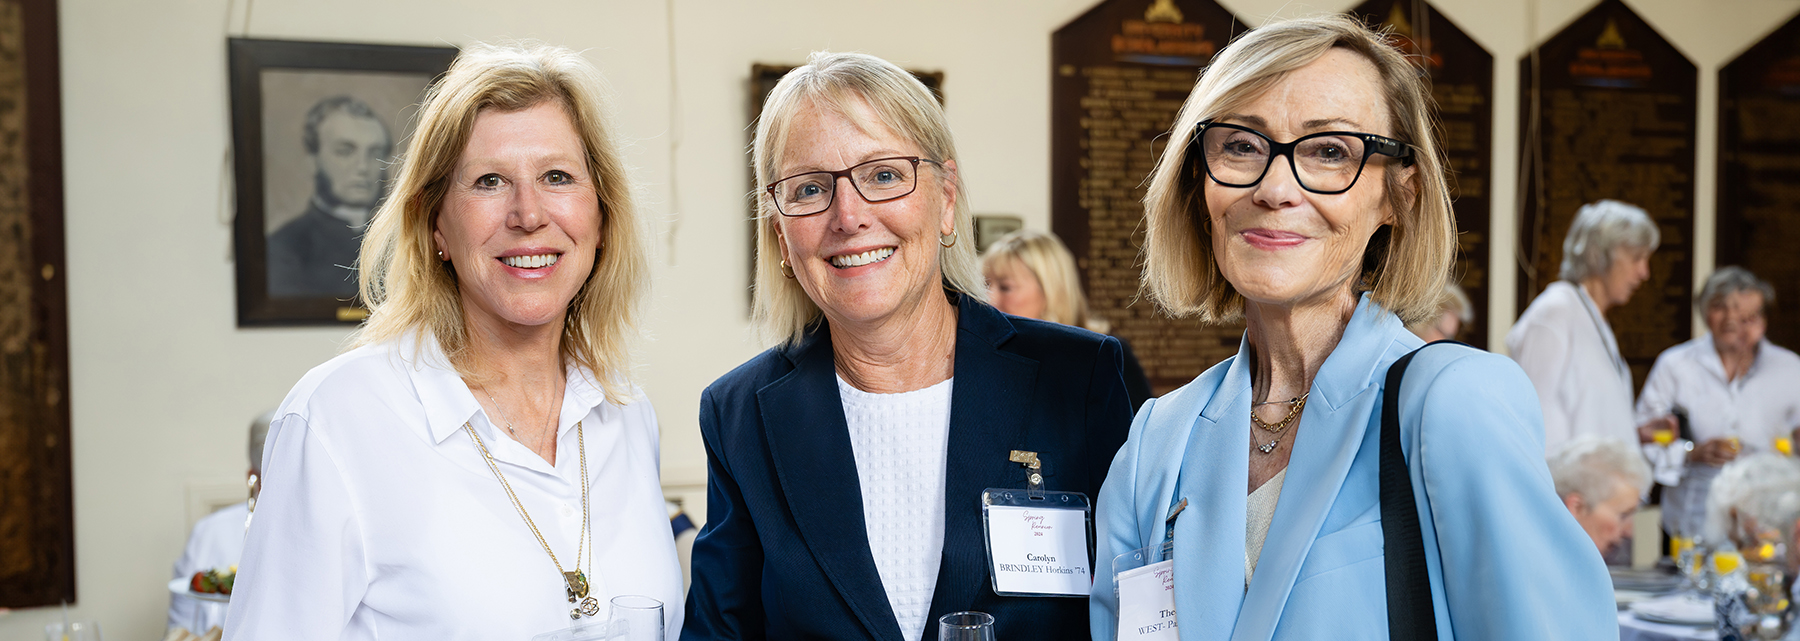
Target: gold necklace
x=576 y=582
x=1277 y=429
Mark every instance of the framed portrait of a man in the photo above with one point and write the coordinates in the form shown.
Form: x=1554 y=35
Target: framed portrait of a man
x=315 y=131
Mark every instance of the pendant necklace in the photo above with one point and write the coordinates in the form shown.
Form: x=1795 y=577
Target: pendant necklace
x=1278 y=429
x=576 y=582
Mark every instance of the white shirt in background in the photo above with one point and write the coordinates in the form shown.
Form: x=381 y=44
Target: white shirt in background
x=1567 y=350
x=379 y=519
x=216 y=542
x=899 y=441
x=1761 y=405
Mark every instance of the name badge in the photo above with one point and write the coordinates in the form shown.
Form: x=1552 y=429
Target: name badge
x=1038 y=543
x=1145 y=580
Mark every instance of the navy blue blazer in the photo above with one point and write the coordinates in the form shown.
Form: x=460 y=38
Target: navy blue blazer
x=785 y=551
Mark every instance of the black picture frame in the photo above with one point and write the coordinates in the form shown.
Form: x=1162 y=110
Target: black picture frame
x=314 y=66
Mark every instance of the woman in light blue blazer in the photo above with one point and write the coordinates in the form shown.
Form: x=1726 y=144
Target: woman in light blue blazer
x=1308 y=199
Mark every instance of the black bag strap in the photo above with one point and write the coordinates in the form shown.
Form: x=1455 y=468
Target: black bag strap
x=1411 y=616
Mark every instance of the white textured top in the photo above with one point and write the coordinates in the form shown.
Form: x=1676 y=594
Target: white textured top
x=379 y=519
x=899 y=442
x=1567 y=350
x=1260 y=510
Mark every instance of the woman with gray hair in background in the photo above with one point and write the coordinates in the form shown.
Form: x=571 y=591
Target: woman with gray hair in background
x=1740 y=392
x=1563 y=341
x=847 y=464
x=1600 y=480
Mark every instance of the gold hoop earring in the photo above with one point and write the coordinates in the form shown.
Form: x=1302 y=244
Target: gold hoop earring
x=952 y=238
x=786 y=270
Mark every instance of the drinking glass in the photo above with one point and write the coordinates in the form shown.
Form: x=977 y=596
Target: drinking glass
x=966 y=626
x=77 y=631
x=636 y=618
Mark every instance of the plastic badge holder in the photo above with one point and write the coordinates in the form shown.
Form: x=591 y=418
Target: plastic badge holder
x=1052 y=565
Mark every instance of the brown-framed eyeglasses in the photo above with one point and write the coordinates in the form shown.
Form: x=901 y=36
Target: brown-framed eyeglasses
x=878 y=180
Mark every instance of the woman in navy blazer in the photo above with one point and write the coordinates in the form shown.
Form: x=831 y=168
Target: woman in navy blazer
x=865 y=281
x=1309 y=199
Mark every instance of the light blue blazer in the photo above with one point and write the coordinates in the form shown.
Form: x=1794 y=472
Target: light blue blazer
x=1506 y=559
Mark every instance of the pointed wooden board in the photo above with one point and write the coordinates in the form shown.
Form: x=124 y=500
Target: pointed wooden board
x=1614 y=114
x=1759 y=169
x=1462 y=83
x=1118 y=74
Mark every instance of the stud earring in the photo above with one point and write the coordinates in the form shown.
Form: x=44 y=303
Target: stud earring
x=440 y=255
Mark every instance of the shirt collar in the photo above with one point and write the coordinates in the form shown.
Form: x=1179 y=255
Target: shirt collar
x=449 y=403
x=1372 y=333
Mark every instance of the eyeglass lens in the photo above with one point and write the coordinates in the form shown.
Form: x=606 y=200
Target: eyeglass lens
x=1321 y=162
x=876 y=180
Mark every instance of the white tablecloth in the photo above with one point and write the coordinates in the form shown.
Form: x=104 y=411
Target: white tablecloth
x=1632 y=628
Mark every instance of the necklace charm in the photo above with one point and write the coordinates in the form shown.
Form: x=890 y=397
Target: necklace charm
x=577 y=585
x=589 y=607
x=1269 y=446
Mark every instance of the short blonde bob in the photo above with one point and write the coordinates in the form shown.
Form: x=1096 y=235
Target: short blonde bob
x=838 y=82
x=408 y=290
x=1054 y=267
x=1404 y=267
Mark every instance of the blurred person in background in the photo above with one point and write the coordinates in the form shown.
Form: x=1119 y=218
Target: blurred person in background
x=1563 y=341
x=1455 y=313
x=1739 y=391
x=216 y=543
x=1601 y=480
x=1031 y=273
x=1753 y=508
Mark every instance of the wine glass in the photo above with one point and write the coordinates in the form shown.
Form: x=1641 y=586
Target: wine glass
x=966 y=626
x=76 y=631
x=636 y=618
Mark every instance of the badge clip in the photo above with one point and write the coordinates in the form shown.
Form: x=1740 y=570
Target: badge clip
x=1034 y=480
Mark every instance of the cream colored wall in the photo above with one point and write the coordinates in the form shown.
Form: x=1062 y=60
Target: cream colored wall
x=164 y=383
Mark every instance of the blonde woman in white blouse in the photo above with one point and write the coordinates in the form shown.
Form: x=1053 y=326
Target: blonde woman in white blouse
x=479 y=466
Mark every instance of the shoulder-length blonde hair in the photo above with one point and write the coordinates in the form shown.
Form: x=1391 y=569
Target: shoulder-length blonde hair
x=1404 y=267
x=408 y=290
x=837 y=82
x=1054 y=267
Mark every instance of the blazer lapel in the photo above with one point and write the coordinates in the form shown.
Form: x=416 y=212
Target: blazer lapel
x=988 y=403
x=1209 y=534
x=1332 y=430
x=803 y=418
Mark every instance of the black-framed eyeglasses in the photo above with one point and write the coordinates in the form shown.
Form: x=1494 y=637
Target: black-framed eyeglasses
x=1328 y=162
x=878 y=180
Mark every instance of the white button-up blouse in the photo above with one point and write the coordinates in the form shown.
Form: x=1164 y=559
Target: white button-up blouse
x=1567 y=350
x=379 y=519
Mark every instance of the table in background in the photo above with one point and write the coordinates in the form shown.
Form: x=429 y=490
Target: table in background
x=1632 y=628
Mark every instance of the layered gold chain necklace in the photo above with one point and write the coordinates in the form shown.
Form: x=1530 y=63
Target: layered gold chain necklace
x=1278 y=429
x=576 y=582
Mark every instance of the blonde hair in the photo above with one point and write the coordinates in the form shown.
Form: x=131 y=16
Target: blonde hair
x=1054 y=267
x=837 y=82
x=1404 y=267
x=407 y=290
